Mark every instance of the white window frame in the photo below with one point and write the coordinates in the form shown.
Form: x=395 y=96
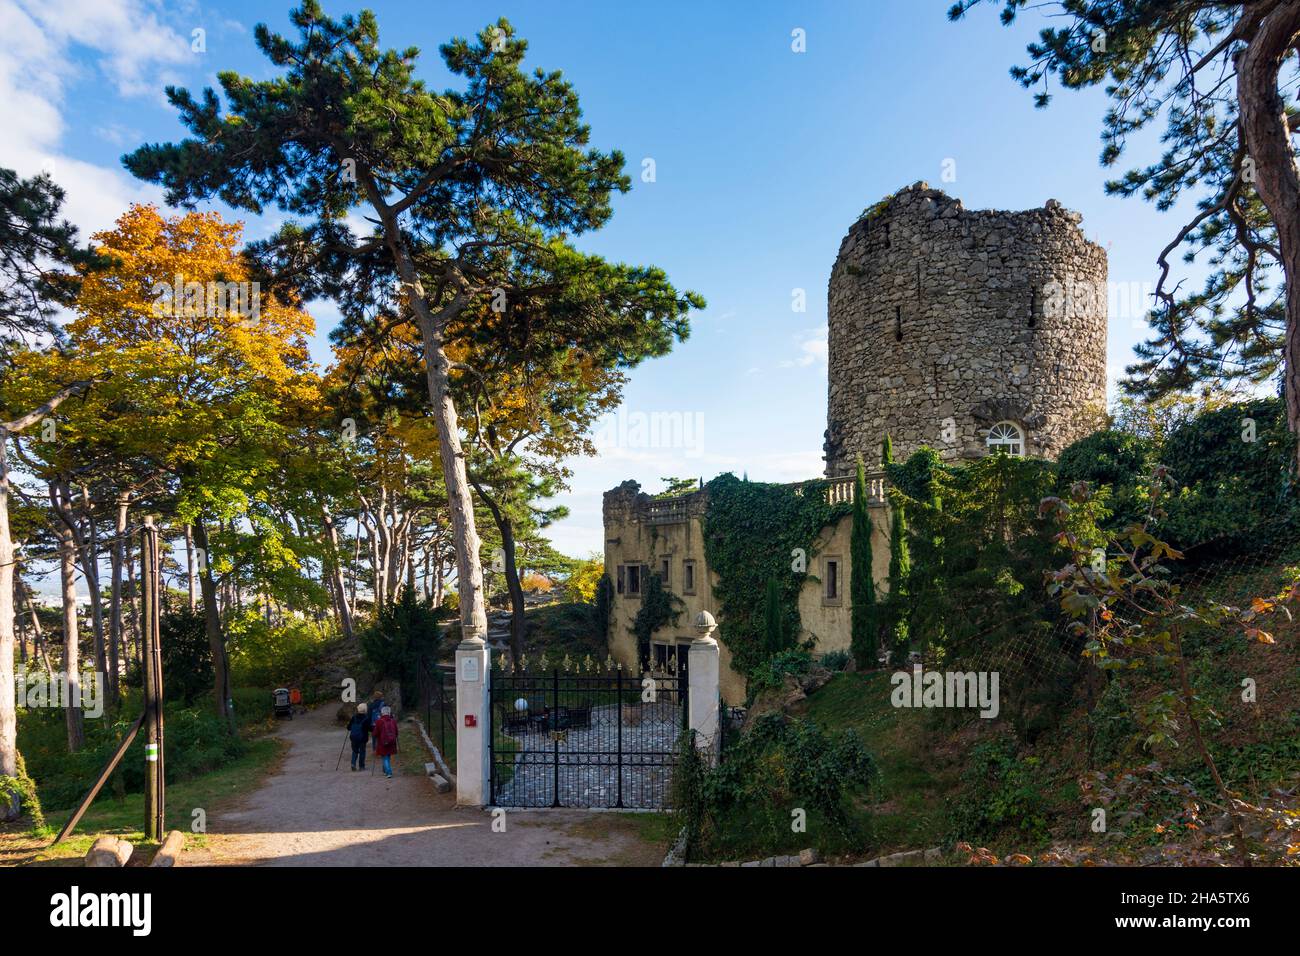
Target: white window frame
x=1006 y=437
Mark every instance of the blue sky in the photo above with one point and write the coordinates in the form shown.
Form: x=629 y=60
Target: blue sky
x=763 y=159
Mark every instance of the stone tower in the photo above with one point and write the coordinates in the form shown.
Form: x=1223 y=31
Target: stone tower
x=947 y=324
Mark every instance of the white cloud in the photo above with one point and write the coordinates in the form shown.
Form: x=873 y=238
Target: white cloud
x=813 y=349
x=51 y=47
x=131 y=42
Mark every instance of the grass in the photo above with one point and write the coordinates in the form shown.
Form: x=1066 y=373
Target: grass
x=564 y=628
x=123 y=817
x=907 y=811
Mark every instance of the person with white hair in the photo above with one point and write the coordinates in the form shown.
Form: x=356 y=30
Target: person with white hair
x=386 y=739
x=358 y=734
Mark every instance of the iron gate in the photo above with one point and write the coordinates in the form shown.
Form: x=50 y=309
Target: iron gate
x=564 y=739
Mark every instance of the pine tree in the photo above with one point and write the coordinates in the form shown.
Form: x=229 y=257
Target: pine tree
x=865 y=616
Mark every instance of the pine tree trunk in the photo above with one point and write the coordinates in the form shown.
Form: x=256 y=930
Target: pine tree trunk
x=335 y=572
x=191 y=572
x=518 y=622
x=469 y=572
x=39 y=637
x=133 y=602
x=8 y=700
x=71 y=650
x=1268 y=145
x=212 y=623
x=88 y=551
x=116 y=558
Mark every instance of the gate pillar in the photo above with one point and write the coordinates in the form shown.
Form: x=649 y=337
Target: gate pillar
x=473 y=721
x=704 y=700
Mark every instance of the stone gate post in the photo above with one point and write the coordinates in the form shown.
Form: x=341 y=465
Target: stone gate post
x=704 y=700
x=473 y=720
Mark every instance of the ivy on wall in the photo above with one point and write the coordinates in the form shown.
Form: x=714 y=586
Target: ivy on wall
x=604 y=605
x=659 y=608
x=752 y=531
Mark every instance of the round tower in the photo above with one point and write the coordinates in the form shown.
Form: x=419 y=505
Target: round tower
x=963 y=330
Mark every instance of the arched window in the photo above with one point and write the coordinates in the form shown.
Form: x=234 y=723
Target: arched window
x=1006 y=437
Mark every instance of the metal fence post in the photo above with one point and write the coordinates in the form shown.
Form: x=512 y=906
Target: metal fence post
x=554 y=723
x=618 y=722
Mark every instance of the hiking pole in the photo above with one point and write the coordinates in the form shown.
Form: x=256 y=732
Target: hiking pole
x=346 y=737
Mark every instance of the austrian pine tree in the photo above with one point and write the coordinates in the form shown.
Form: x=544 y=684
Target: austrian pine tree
x=471 y=194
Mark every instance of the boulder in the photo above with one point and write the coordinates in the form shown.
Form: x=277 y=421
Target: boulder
x=816 y=678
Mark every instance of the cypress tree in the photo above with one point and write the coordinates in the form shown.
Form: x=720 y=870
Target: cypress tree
x=900 y=566
x=864 y=615
x=774 y=625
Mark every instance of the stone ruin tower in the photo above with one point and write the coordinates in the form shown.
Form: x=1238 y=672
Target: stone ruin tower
x=947 y=325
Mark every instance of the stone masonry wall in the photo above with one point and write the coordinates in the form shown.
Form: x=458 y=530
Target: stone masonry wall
x=944 y=322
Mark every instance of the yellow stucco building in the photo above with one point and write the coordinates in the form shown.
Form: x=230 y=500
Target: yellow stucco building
x=645 y=535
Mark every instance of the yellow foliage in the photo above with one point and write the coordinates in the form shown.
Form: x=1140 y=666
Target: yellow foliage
x=585 y=577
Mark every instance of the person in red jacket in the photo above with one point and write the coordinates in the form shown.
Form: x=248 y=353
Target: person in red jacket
x=386 y=739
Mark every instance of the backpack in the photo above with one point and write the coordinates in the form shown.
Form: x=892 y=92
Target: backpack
x=357 y=729
x=386 y=732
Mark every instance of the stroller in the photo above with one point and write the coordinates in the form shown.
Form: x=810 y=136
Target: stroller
x=280 y=702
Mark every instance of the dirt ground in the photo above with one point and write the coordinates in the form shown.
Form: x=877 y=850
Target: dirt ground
x=308 y=814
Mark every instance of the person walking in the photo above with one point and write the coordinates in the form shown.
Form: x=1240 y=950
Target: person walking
x=376 y=711
x=386 y=739
x=359 y=733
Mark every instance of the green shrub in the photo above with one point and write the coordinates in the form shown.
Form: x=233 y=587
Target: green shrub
x=195 y=742
x=772 y=672
x=1231 y=493
x=24 y=789
x=1107 y=457
x=403 y=633
x=604 y=606
x=779 y=763
x=835 y=660
x=186 y=655
x=1001 y=795
x=1117 y=459
x=1112 y=730
x=269 y=656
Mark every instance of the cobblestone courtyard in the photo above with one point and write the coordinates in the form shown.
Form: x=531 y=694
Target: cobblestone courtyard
x=589 y=763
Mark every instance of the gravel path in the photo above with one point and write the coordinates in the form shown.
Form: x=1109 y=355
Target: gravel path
x=308 y=814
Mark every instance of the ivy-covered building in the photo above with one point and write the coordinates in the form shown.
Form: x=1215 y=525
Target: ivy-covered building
x=967 y=332
x=716 y=549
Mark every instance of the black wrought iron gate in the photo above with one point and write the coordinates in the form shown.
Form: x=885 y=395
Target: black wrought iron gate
x=574 y=739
